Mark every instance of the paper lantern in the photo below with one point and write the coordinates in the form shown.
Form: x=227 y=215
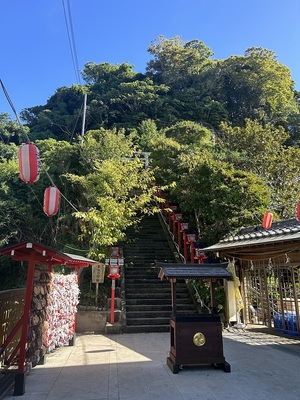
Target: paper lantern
x=51 y=201
x=267 y=220
x=29 y=163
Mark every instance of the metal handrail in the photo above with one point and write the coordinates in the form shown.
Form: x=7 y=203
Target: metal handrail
x=197 y=295
x=171 y=236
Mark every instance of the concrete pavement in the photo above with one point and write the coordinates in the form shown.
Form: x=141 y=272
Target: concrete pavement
x=133 y=367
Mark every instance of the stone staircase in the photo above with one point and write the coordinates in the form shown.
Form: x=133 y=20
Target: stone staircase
x=147 y=298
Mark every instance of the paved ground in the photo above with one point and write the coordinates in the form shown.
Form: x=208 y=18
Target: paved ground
x=133 y=367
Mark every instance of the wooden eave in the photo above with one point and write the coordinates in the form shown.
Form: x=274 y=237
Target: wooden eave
x=44 y=255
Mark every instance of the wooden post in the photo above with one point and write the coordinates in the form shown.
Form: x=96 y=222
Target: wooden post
x=19 y=388
x=97 y=293
x=213 y=283
x=192 y=252
x=112 y=304
x=173 y=291
x=185 y=252
x=295 y=297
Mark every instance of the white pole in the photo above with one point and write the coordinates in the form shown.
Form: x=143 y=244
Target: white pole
x=84 y=113
x=97 y=292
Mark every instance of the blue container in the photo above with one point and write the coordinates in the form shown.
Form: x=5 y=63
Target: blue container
x=291 y=326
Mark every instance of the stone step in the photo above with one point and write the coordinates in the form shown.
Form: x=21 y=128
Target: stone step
x=148 y=315
x=148 y=321
x=144 y=278
x=141 y=260
x=146 y=328
x=156 y=309
x=155 y=294
x=152 y=285
x=159 y=301
x=142 y=273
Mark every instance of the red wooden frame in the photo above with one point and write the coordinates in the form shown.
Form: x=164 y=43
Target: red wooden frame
x=34 y=254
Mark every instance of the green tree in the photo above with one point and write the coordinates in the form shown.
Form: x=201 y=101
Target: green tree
x=165 y=159
x=101 y=80
x=189 y=133
x=292 y=125
x=147 y=131
x=186 y=68
x=255 y=86
x=254 y=143
x=114 y=187
x=262 y=151
x=103 y=76
x=10 y=131
x=218 y=197
x=60 y=118
x=174 y=60
x=133 y=102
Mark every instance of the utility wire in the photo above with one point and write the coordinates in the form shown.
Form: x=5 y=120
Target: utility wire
x=71 y=38
x=76 y=122
x=14 y=110
x=72 y=44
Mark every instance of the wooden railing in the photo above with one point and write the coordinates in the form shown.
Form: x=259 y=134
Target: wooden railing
x=11 y=311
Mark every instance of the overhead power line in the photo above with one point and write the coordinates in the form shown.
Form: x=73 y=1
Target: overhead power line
x=14 y=110
x=71 y=38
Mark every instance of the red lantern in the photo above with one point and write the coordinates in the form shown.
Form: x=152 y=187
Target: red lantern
x=298 y=211
x=267 y=220
x=51 y=201
x=29 y=163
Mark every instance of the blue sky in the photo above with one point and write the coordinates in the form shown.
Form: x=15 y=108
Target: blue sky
x=36 y=57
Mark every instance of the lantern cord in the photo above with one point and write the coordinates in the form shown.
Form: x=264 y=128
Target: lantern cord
x=74 y=248
x=31 y=188
x=72 y=205
x=14 y=110
x=56 y=228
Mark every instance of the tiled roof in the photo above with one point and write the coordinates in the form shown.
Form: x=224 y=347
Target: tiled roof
x=282 y=231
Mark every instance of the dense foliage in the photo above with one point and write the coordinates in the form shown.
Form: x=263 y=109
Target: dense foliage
x=222 y=136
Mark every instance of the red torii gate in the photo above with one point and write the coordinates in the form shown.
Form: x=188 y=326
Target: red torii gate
x=34 y=254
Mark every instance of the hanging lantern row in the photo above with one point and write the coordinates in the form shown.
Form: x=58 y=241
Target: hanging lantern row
x=29 y=167
x=29 y=163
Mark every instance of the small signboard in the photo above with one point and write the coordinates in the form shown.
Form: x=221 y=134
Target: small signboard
x=98 y=271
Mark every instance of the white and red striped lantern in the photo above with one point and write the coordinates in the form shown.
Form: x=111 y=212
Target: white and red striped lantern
x=51 y=201
x=29 y=163
x=267 y=220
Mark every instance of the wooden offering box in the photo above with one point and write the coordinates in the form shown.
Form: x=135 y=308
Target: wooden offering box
x=195 y=339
